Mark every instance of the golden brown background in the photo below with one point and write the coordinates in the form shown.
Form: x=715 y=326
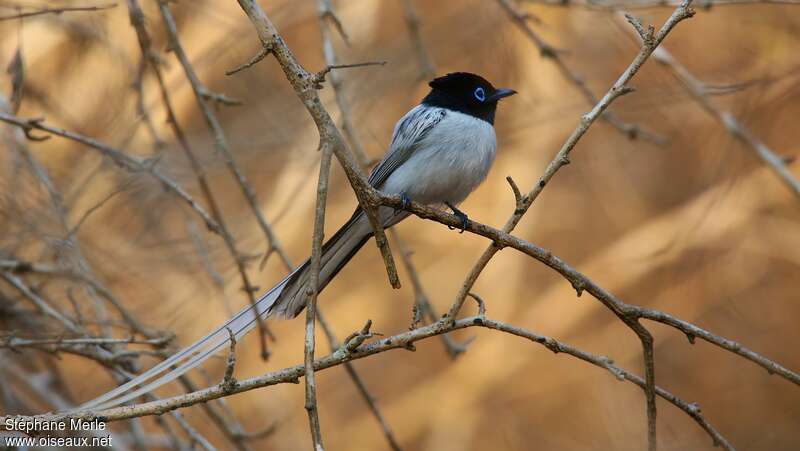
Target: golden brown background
x=698 y=228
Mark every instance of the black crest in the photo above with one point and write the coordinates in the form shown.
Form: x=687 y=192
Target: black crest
x=466 y=93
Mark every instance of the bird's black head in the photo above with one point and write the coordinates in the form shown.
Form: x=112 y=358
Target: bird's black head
x=466 y=93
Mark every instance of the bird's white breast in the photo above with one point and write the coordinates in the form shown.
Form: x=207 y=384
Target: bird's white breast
x=452 y=159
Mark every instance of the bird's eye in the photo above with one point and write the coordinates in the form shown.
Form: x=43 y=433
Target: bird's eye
x=479 y=94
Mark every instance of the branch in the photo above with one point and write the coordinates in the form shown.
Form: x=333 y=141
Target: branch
x=606 y=5
x=57 y=11
x=619 y=88
x=220 y=141
x=548 y=52
x=426 y=68
x=311 y=302
x=400 y=341
x=303 y=84
x=128 y=162
x=696 y=89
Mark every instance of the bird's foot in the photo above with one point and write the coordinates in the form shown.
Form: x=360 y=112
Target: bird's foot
x=460 y=215
x=405 y=201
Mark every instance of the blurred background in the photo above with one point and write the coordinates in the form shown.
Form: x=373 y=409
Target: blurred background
x=693 y=224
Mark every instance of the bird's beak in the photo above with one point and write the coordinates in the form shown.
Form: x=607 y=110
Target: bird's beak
x=500 y=93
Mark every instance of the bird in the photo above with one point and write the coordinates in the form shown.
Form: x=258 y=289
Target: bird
x=440 y=151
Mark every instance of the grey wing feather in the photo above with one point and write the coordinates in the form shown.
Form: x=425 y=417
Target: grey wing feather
x=408 y=133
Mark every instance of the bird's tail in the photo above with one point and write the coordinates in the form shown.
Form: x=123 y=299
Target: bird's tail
x=336 y=252
x=287 y=299
x=192 y=355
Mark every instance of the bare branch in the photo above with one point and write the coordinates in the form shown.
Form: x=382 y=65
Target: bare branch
x=426 y=68
x=57 y=11
x=698 y=92
x=400 y=341
x=313 y=292
x=262 y=53
x=303 y=83
x=548 y=52
x=127 y=162
x=220 y=141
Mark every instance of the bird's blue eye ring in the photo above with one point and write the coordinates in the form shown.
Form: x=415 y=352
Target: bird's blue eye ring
x=479 y=94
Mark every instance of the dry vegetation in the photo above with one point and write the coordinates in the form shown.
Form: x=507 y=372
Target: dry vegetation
x=146 y=195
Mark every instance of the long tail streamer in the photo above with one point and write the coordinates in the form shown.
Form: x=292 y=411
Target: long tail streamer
x=192 y=355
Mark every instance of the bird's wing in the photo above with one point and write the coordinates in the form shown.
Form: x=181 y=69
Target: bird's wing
x=408 y=133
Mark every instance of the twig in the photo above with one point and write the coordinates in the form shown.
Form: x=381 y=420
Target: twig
x=220 y=141
x=17 y=342
x=127 y=162
x=422 y=304
x=548 y=52
x=262 y=53
x=400 y=341
x=696 y=88
x=57 y=11
x=192 y=432
x=619 y=88
x=302 y=83
x=326 y=13
x=137 y=21
x=228 y=381
x=94 y=287
x=606 y=5
x=360 y=384
x=312 y=293
x=42 y=305
x=426 y=68
x=325 y=10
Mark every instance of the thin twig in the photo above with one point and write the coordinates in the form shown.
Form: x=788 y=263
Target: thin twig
x=360 y=384
x=422 y=304
x=698 y=92
x=220 y=141
x=548 y=52
x=426 y=68
x=400 y=341
x=606 y=5
x=303 y=83
x=324 y=11
x=57 y=11
x=124 y=161
x=312 y=293
x=619 y=88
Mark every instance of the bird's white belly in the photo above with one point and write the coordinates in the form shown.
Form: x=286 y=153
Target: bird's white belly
x=450 y=162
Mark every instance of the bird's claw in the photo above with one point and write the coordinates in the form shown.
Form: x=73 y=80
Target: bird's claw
x=460 y=215
x=405 y=202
